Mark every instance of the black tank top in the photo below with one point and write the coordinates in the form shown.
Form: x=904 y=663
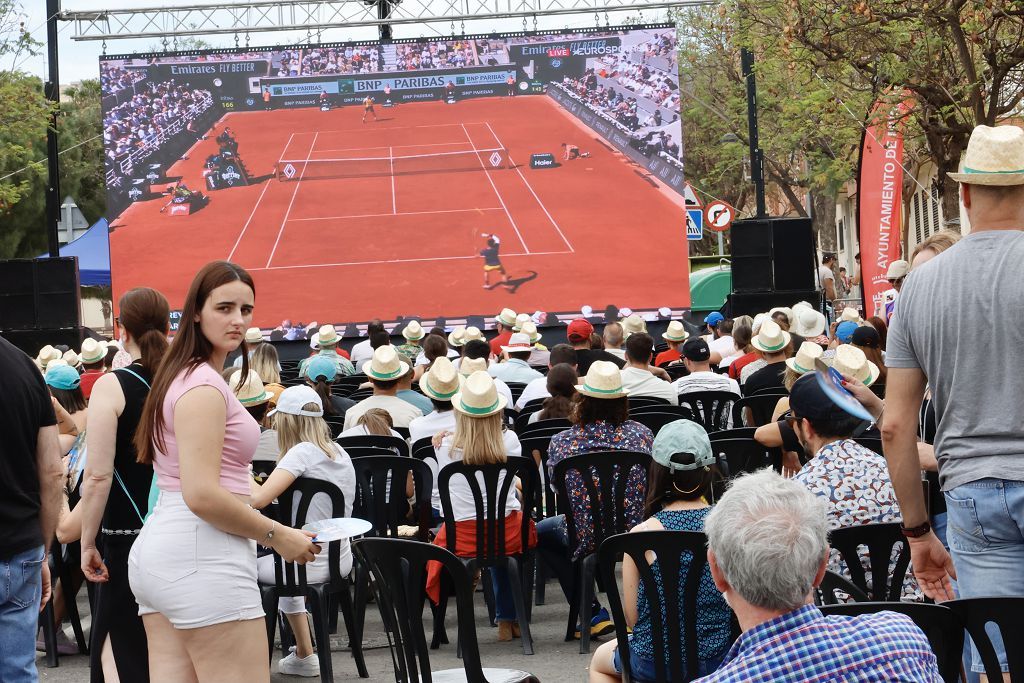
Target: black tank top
x=137 y=478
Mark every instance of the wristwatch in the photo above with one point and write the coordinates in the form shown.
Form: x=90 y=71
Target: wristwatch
x=916 y=531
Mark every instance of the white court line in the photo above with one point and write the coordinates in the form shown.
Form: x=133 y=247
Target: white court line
x=404 y=260
x=404 y=213
x=394 y=197
x=498 y=194
x=266 y=186
x=365 y=130
x=360 y=149
x=530 y=188
x=298 y=183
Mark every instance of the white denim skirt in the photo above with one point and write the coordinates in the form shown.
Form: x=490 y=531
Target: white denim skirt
x=191 y=572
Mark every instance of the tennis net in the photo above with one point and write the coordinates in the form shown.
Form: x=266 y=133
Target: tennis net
x=368 y=167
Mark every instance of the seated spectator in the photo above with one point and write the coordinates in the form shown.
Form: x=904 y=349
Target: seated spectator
x=363 y=351
x=439 y=384
x=742 y=335
x=561 y=384
x=320 y=374
x=374 y=422
x=775 y=346
x=600 y=418
x=614 y=336
x=413 y=334
x=867 y=340
x=678 y=488
x=852 y=480
x=327 y=341
x=539 y=355
x=514 y=367
x=578 y=333
x=503 y=324
x=783 y=316
x=809 y=324
x=637 y=379
x=384 y=371
x=674 y=336
x=406 y=393
x=253 y=395
x=722 y=342
x=266 y=363
x=696 y=358
x=560 y=353
x=93 y=355
x=470 y=365
x=768 y=550
x=633 y=324
x=434 y=347
x=471 y=345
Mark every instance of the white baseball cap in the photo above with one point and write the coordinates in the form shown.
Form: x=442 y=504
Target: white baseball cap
x=292 y=400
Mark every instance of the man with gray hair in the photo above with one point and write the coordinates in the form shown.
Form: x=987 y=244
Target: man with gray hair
x=768 y=550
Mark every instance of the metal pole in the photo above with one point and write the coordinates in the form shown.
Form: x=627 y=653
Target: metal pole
x=756 y=156
x=52 y=92
x=383 y=12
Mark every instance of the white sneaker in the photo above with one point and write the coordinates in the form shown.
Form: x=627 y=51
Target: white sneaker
x=293 y=665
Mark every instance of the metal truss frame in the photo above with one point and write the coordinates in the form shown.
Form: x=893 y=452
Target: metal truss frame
x=258 y=16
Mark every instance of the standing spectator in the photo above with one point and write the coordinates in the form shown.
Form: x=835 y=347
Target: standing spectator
x=503 y=324
x=93 y=355
x=385 y=370
x=980 y=434
x=637 y=379
x=674 y=336
x=826 y=280
x=30 y=502
x=896 y=273
x=696 y=358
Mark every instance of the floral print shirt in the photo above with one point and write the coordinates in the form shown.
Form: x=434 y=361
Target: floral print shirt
x=600 y=436
x=855 y=483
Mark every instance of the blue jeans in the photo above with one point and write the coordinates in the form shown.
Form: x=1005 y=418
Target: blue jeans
x=504 y=605
x=20 y=592
x=986 y=539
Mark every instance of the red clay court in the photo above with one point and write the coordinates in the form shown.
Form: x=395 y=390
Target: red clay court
x=384 y=219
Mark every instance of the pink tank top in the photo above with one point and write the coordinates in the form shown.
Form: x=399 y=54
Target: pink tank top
x=241 y=434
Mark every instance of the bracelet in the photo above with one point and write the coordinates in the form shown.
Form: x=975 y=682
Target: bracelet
x=269 y=538
x=880 y=412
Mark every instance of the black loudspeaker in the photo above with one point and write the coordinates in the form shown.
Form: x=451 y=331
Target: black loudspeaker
x=30 y=341
x=39 y=294
x=772 y=254
x=752 y=303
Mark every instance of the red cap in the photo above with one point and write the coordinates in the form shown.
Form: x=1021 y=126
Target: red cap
x=579 y=329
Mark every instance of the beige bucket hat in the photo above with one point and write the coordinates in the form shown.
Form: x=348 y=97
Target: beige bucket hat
x=603 y=380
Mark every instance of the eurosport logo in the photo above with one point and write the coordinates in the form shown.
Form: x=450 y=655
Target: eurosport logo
x=249 y=101
x=556 y=63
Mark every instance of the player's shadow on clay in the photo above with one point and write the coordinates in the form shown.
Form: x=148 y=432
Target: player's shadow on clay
x=515 y=283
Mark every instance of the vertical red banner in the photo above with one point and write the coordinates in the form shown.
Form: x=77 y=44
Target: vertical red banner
x=880 y=201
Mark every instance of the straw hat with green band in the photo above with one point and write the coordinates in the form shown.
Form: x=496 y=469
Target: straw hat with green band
x=521 y=319
x=386 y=365
x=413 y=331
x=770 y=338
x=530 y=330
x=803 y=361
x=851 y=361
x=479 y=396
x=327 y=336
x=441 y=381
x=995 y=156
x=507 y=317
x=93 y=351
x=676 y=332
x=251 y=392
x=603 y=380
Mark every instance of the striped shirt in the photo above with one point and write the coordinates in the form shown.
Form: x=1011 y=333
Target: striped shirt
x=805 y=645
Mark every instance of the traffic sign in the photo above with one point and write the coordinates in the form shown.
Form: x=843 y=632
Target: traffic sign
x=694 y=224
x=690 y=197
x=719 y=216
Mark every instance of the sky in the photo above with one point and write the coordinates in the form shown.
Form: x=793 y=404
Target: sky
x=78 y=59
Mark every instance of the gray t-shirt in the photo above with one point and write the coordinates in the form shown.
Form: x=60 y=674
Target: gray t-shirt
x=959 y=319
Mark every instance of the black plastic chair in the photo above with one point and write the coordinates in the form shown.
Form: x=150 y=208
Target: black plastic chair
x=638 y=401
x=393 y=443
x=261 y=469
x=62 y=565
x=490 y=486
x=676 y=370
x=680 y=610
x=517 y=389
x=879 y=540
x=734 y=433
x=423 y=449
x=740 y=456
x=835 y=589
x=656 y=420
x=522 y=418
x=399 y=569
x=544 y=428
x=941 y=625
x=358 y=395
x=761 y=407
x=545 y=504
x=1006 y=614
x=344 y=386
x=712 y=409
x=336 y=423
x=681 y=411
x=290 y=578
x=770 y=391
x=878 y=389
x=605 y=476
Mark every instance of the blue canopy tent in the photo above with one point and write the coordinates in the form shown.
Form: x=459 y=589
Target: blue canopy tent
x=93 y=252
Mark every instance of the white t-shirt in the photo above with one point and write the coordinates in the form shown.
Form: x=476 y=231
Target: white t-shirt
x=537 y=388
x=705 y=380
x=619 y=353
x=824 y=273
x=431 y=424
x=360 y=430
x=504 y=390
x=642 y=383
x=421 y=358
x=307 y=460
x=361 y=353
x=462 y=496
x=402 y=412
x=724 y=346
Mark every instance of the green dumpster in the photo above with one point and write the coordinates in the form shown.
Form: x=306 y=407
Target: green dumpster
x=709 y=288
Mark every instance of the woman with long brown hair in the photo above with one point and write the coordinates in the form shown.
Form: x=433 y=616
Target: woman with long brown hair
x=193 y=567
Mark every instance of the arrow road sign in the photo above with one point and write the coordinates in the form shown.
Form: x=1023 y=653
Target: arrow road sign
x=719 y=215
x=694 y=224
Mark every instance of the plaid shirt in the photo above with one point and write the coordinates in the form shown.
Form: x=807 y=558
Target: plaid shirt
x=805 y=645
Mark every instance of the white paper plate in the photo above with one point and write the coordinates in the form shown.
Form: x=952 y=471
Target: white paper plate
x=336 y=529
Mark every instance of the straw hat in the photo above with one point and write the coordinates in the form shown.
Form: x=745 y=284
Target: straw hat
x=327 y=336
x=520 y=320
x=995 y=156
x=784 y=310
x=530 y=330
x=633 y=324
x=457 y=336
x=479 y=396
x=804 y=359
x=755 y=325
x=603 y=380
x=507 y=317
x=386 y=364
x=413 y=331
x=441 y=381
x=72 y=358
x=47 y=354
x=253 y=335
x=252 y=392
x=770 y=338
x=851 y=361
x=467 y=366
x=675 y=332
x=807 y=322
x=471 y=334
x=93 y=351
x=850 y=314
x=518 y=343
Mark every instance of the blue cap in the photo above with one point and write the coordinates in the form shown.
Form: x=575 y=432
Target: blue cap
x=682 y=436
x=319 y=366
x=63 y=377
x=714 y=318
x=845 y=330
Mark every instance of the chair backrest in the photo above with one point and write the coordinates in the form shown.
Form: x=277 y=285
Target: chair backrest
x=681 y=411
x=380 y=493
x=740 y=456
x=712 y=409
x=605 y=476
x=656 y=420
x=367 y=451
x=770 y=391
x=358 y=395
x=1007 y=614
x=872 y=443
x=761 y=408
x=545 y=427
x=398 y=445
x=879 y=540
x=336 y=423
x=344 y=386
x=673 y=606
x=545 y=503
x=517 y=389
x=399 y=569
x=293 y=507
x=490 y=486
x=533 y=404
x=423 y=449
x=676 y=370
x=734 y=433
x=833 y=585
x=941 y=625
x=637 y=401
x=522 y=418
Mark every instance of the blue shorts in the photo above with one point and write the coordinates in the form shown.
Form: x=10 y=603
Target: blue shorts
x=643 y=669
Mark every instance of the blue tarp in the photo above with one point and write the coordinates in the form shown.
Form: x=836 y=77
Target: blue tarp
x=93 y=252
